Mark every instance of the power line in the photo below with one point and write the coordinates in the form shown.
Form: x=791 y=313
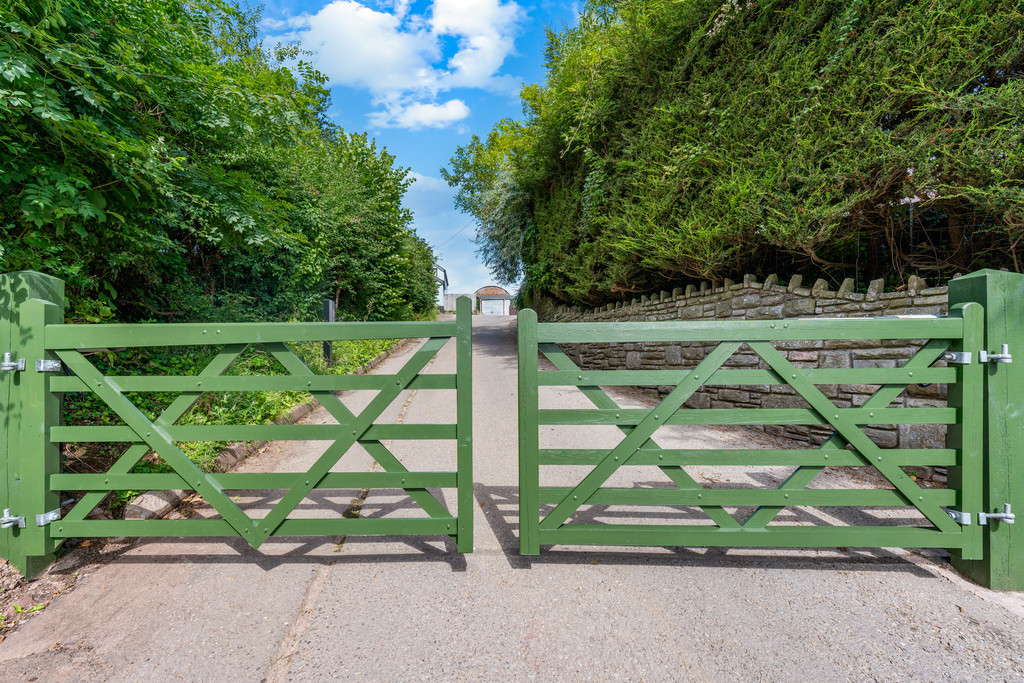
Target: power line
x=455 y=235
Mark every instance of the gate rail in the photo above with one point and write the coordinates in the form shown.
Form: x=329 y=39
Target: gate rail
x=31 y=317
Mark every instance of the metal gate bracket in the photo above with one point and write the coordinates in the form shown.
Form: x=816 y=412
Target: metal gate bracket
x=10 y=365
x=1002 y=357
x=47 y=517
x=48 y=366
x=1006 y=516
x=957 y=357
x=963 y=518
x=8 y=520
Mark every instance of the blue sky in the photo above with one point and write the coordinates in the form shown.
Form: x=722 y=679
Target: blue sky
x=421 y=78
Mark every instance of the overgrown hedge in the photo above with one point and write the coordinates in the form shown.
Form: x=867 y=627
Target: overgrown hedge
x=679 y=140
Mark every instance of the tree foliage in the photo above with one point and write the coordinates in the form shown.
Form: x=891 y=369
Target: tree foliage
x=164 y=163
x=677 y=140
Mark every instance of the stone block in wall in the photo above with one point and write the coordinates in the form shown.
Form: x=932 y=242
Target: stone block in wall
x=765 y=313
x=940 y=300
x=744 y=360
x=885 y=438
x=779 y=401
x=799 y=432
x=922 y=436
x=674 y=355
x=860 y=388
x=735 y=395
x=747 y=300
x=843 y=344
x=799 y=344
x=835 y=359
x=830 y=390
x=873 y=363
x=897 y=352
x=632 y=360
x=699 y=401
x=693 y=352
x=798 y=307
x=930 y=391
x=803 y=356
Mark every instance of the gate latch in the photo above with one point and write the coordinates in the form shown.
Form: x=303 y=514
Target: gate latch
x=1005 y=516
x=8 y=520
x=8 y=365
x=957 y=357
x=1002 y=357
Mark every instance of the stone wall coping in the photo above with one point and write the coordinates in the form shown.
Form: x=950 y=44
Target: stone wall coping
x=715 y=292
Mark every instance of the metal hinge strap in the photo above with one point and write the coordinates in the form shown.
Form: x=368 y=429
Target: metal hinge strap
x=963 y=518
x=47 y=517
x=48 y=366
x=958 y=357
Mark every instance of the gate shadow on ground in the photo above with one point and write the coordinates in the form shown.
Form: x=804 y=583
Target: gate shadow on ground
x=311 y=551
x=501 y=507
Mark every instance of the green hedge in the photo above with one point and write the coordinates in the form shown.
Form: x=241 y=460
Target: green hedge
x=676 y=141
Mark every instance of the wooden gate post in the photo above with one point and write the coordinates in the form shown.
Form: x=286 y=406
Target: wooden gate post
x=28 y=302
x=1002 y=295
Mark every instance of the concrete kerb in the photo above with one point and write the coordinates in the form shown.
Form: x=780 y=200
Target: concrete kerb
x=159 y=504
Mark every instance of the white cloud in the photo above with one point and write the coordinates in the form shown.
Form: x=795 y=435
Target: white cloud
x=398 y=57
x=428 y=183
x=486 y=31
x=416 y=115
x=359 y=47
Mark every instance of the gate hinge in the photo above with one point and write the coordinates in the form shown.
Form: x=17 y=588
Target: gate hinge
x=963 y=518
x=8 y=520
x=1002 y=357
x=10 y=365
x=47 y=517
x=1005 y=516
x=48 y=366
x=958 y=357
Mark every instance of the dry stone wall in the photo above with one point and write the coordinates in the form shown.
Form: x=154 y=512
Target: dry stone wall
x=752 y=300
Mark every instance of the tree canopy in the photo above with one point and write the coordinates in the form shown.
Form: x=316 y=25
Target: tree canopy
x=678 y=140
x=167 y=165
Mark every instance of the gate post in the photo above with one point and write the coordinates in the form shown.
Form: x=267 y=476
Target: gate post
x=464 y=422
x=1002 y=295
x=529 y=464
x=28 y=302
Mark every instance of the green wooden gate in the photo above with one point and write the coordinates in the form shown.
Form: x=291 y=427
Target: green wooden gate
x=41 y=347
x=551 y=515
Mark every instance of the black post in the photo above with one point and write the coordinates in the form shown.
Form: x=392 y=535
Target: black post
x=329 y=318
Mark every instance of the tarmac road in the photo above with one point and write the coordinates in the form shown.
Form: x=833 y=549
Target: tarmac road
x=414 y=609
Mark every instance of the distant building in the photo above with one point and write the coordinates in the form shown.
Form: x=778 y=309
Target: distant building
x=493 y=300
x=451 y=297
